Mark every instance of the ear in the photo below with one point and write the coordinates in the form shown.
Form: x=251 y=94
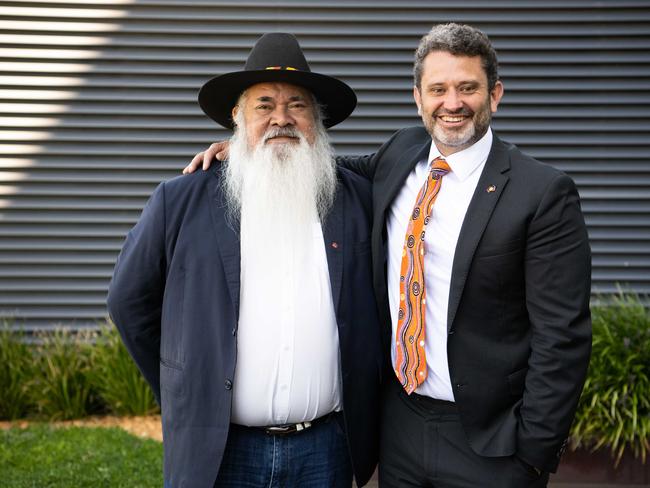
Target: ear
x=495 y=96
x=418 y=99
x=233 y=114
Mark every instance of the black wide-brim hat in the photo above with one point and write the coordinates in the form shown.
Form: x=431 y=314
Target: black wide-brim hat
x=276 y=57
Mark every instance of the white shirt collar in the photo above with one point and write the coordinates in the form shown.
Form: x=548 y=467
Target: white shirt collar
x=465 y=162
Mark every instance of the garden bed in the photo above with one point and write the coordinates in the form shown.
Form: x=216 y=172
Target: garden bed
x=583 y=466
x=148 y=427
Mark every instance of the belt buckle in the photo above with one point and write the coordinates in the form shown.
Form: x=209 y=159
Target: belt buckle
x=287 y=429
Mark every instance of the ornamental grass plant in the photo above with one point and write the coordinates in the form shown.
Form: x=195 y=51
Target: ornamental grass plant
x=63 y=375
x=614 y=410
x=116 y=378
x=16 y=366
x=60 y=387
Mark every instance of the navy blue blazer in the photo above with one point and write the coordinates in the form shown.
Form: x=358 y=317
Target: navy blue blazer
x=519 y=328
x=174 y=297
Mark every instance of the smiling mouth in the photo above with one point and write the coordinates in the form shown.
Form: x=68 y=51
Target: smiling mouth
x=453 y=118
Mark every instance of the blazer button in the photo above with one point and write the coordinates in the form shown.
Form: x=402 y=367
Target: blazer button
x=228 y=385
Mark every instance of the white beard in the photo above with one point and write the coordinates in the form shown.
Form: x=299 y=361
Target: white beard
x=279 y=193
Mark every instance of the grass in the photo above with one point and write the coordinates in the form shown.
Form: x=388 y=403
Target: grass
x=42 y=456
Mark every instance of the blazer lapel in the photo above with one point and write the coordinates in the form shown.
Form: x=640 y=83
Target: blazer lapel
x=333 y=236
x=227 y=239
x=488 y=190
x=400 y=171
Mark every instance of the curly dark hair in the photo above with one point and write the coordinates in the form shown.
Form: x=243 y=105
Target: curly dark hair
x=460 y=40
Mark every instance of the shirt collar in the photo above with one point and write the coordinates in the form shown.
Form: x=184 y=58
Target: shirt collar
x=465 y=162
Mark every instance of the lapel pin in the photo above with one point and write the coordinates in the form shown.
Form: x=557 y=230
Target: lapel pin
x=491 y=189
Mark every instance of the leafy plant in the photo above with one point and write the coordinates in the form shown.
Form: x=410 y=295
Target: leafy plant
x=15 y=371
x=60 y=388
x=614 y=410
x=117 y=379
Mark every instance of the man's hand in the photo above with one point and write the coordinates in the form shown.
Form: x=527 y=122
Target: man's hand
x=218 y=150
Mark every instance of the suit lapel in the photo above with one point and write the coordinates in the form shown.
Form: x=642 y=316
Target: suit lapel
x=400 y=171
x=333 y=236
x=488 y=190
x=227 y=239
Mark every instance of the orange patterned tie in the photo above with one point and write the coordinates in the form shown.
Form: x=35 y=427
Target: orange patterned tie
x=410 y=361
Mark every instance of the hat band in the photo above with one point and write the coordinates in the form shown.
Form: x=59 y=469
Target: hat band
x=288 y=68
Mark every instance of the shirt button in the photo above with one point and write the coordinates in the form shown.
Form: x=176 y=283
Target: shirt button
x=228 y=385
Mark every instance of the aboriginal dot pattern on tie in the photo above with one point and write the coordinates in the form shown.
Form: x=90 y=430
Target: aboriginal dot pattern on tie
x=410 y=360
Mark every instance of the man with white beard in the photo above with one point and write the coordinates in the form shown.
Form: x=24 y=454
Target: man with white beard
x=244 y=294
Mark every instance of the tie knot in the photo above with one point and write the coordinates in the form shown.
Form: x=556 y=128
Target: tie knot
x=440 y=167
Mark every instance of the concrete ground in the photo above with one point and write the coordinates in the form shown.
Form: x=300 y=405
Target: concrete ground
x=373 y=484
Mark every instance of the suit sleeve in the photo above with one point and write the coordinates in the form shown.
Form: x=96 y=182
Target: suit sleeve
x=135 y=293
x=361 y=165
x=366 y=166
x=558 y=286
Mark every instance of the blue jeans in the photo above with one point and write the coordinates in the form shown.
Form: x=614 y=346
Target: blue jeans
x=314 y=458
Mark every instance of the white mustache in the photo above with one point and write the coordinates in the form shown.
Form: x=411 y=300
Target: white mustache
x=281 y=132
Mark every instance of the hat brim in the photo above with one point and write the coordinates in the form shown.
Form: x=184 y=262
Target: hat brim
x=219 y=95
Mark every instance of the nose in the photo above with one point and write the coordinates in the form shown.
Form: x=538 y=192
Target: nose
x=452 y=101
x=281 y=117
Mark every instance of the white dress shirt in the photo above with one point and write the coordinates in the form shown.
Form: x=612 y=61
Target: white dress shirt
x=440 y=241
x=287 y=343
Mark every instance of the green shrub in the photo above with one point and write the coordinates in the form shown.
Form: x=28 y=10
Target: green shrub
x=117 y=379
x=614 y=410
x=60 y=388
x=66 y=375
x=15 y=373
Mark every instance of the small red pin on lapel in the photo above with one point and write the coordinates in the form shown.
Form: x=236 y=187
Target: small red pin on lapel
x=491 y=189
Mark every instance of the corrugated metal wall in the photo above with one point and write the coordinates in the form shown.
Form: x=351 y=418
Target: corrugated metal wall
x=98 y=104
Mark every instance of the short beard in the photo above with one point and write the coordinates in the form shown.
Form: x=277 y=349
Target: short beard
x=460 y=139
x=279 y=191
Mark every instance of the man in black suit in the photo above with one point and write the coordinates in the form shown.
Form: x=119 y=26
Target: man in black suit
x=245 y=295
x=482 y=271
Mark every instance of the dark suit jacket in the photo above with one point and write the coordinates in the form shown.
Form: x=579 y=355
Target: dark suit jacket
x=519 y=323
x=174 y=297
